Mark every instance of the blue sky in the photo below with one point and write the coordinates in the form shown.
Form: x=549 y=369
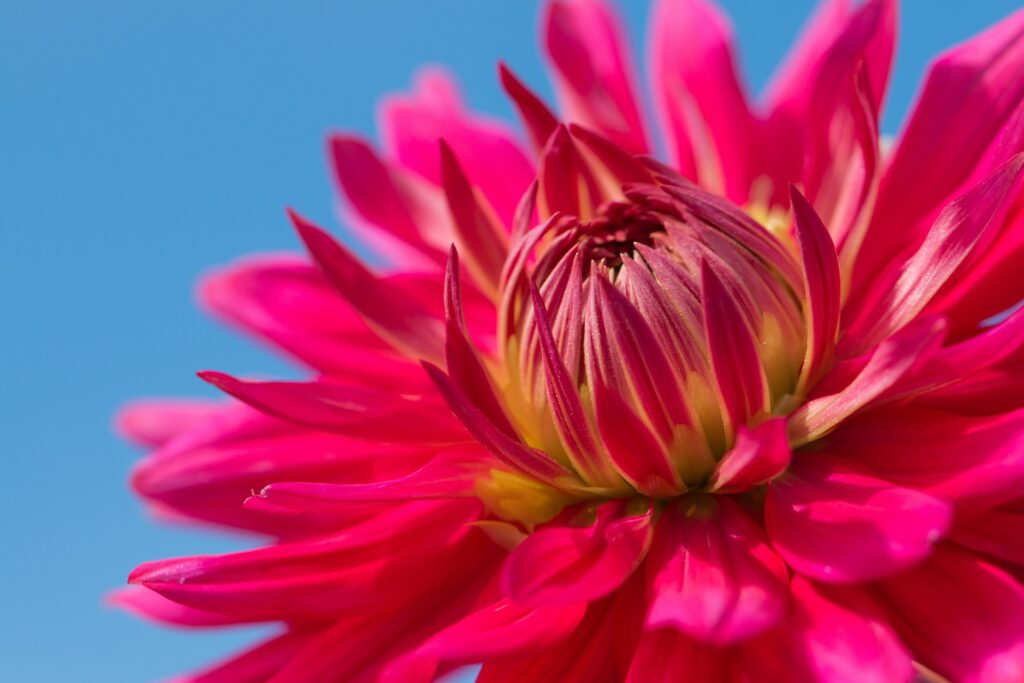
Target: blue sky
x=141 y=143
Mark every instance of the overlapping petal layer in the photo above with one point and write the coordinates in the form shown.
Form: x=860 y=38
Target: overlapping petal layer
x=754 y=414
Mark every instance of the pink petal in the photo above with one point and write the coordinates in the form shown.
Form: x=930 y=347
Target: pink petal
x=395 y=211
x=997 y=533
x=711 y=573
x=573 y=424
x=289 y=303
x=968 y=95
x=352 y=411
x=357 y=568
x=821 y=287
x=884 y=367
x=258 y=663
x=559 y=565
x=977 y=462
x=393 y=316
x=962 y=618
x=145 y=603
x=154 y=422
x=478 y=232
x=835 y=522
x=987 y=286
x=693 y=67
x=758 y=455
x=949 y=242
x=835 y=38
x=506 y=448
x=497 y=629
x=451 y=474
x=538 y=120
x=594 y=79
x=738 y=370
x=465 y=366
x=665 y=656
x=412 y=125
x=833 y=634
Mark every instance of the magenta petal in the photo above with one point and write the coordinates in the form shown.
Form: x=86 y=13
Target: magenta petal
x=738 y=370
x=510 y=450
x=835 y=522
x=559 y=565
x=976 y=462
x=538 y=120
x=500 y=628
x=412 y=124
x=392 y=315
x=821 y=287
x=758 y=455
x=353 y=411
x=154 y=422
x=665 y=656
x=593 y=76
x=701 y=102
x=949 y=242
x=833 y=634
x=962 y=618
x=885 y=366
x=968 y=95
x=712 y=574
x=448 y=475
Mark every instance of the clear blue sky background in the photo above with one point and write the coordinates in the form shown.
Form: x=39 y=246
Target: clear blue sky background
x=141 y=142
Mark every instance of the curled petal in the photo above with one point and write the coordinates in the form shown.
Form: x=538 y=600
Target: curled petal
x=566 y=565
x=758 y=455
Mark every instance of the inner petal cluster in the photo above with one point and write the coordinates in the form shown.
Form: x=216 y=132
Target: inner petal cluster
x=639 y=342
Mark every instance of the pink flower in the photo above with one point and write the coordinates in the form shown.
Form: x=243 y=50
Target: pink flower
x=740 y=415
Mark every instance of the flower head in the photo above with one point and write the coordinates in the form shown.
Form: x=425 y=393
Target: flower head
x=750 y=413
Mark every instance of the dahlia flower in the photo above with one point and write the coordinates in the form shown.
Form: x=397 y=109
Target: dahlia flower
x=749 y=412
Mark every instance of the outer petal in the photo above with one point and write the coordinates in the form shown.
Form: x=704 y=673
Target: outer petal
x=701 y=102
x=895 y=300
x=408 y=327
x=962 y=617
x=594 y=79
x=834 y=522
x=665 y=656
x=494 y=630
x=566 y=565
x=968 y=95
x=977 y=462
x=357 y=412
x=154 y=422
x=412 y=125
x=832 y=635
x=290 y=303
x=882 y=369
x=399 y=214
x=711 y=573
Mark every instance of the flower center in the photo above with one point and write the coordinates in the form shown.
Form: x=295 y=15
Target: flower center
x=636 y=344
